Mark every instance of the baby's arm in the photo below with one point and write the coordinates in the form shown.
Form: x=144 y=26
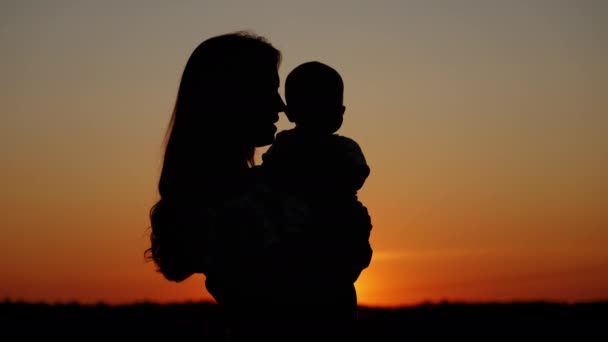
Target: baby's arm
x=354 y=168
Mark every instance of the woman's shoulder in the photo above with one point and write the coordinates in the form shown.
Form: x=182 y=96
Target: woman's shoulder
x=255 y=200
x=253 y=186
x=259 y=193
x=272 y=207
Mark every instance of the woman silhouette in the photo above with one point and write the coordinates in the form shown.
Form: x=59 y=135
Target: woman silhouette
x=215 y=209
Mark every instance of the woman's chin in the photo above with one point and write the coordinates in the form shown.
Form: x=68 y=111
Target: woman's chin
x=267 y=138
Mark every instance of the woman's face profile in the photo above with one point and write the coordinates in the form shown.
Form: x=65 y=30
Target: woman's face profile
x=263 y=104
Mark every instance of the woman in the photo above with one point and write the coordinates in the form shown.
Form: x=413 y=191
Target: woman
x=217 y=216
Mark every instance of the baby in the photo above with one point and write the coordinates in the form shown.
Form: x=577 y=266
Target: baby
x=310 y=162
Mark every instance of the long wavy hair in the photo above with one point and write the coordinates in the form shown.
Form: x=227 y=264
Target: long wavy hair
x=206 y=147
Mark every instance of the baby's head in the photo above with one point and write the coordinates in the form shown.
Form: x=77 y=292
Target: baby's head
x=314 y=94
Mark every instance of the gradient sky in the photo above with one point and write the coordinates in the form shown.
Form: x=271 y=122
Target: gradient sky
x=484 y=123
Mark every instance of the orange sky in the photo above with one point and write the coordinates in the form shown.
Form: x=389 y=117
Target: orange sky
x=484 y=124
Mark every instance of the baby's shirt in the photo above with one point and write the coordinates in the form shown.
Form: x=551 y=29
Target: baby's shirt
x=321 y=174
x=332 y=166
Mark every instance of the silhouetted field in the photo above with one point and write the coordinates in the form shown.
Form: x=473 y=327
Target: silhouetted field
x=204 y=320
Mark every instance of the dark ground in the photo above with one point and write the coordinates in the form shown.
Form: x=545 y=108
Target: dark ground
x=422 y=322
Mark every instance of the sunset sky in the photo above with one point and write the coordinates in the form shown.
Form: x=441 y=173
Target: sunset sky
x=485 y=124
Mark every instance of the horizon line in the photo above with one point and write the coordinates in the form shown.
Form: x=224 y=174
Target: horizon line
x=9 y=301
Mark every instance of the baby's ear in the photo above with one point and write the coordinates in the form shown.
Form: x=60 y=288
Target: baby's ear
x=342 y=110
